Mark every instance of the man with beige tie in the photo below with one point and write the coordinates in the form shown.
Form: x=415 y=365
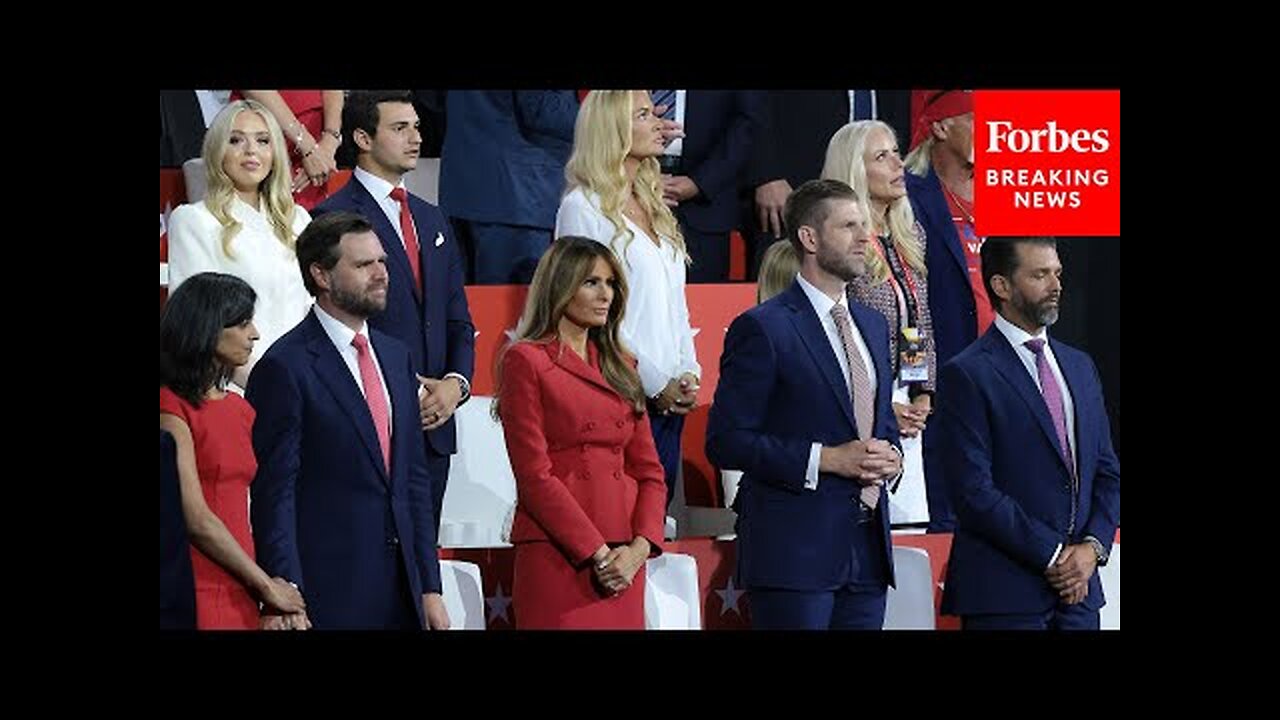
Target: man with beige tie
x=803 y=408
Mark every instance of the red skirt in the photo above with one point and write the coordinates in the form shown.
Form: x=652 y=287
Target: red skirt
x=548 y=593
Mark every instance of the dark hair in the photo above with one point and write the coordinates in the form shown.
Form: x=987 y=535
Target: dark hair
x=808 y=206
x=319 y=243
x=1000 y=257
x=360 y=110
x=193 y=318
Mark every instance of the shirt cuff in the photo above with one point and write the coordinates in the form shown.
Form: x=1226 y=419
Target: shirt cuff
x=1057 y=551
x=811 y=470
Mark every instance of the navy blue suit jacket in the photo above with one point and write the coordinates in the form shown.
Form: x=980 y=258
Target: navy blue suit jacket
x=325 y=510
x=951 y=303
x=1010 y=486
x=781 y=389
x=504 y=155
x=720 y=127
x=437 y=327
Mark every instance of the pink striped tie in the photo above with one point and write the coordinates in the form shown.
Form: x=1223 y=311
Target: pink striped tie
x=374 y=397
x=860 y=383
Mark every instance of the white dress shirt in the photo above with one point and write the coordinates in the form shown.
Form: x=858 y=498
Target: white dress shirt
x=656 y=325
x=341 y=336
x=381 y=191
x=822 y=305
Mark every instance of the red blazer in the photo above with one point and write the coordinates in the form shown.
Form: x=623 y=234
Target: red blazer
x=586 y=469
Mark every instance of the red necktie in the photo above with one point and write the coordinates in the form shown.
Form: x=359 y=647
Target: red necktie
x=373 y=396
x=410 y=237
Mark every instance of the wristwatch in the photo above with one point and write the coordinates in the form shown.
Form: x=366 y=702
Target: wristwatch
x=1098 y=550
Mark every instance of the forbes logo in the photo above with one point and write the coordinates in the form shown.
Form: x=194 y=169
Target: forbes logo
x=1002 y=136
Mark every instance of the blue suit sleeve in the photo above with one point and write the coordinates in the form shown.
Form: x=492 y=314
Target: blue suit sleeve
x=736 y=428
x=1105 y=506
x=720 y=171
x=460 y=345
x=277 y=443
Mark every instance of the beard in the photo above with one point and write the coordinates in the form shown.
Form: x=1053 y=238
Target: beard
x=1041 y=313
x=845 y=267
x=356 y=303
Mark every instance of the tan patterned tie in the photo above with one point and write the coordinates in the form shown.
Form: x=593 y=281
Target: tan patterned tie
x=860 y=384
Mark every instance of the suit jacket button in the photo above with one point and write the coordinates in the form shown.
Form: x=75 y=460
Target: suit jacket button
x=617 y=474
x=621 y=423
x=617 y=449
x=591 y=426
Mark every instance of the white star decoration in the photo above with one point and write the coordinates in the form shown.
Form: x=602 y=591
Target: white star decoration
x=695 y=332
x=498 y=605
x=729 y=598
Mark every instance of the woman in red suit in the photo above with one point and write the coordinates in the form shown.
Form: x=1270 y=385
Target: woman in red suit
x=591 y=492
x=206 y=331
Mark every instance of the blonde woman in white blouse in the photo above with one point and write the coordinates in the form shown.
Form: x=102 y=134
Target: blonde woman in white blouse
x=614 y=197
x=247 y=224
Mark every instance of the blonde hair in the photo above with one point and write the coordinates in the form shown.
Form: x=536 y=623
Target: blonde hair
x=277 y=196
x=561 y=271
x=601 y=144
x=778 y=269
x=845 y=162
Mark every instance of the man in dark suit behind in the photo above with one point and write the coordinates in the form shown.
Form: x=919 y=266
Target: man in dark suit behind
x=426 y=301
x=342 y=500
x=1024 y=435
x=502 y=175
x=177 y=584
x=803 y=408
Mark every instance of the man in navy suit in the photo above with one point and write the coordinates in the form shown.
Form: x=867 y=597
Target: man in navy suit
x=803 y=408
x=342 y=500
x=502 y=174
x=701 y=182
x=426 y=302
x=1034 y=481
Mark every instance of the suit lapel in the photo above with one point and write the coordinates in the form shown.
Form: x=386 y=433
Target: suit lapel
x=333 y=372
x=955 y=249
x=814 y=338
x=571 y=363
x=1008 y=364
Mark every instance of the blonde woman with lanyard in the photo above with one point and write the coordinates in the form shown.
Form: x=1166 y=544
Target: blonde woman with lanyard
x=865 y=155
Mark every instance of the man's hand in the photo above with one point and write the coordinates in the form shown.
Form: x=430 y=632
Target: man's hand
x=678 y=188
x=1070 y=574
x=771 y=198
x=433 y=608
x=439 y=401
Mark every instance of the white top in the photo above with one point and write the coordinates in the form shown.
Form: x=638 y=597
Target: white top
x=341 y=336
x=656 y=325
x=270 y=268
x=822 y=305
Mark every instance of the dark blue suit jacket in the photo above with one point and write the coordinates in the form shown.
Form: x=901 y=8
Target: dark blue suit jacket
x=781 y=389
x=951 y=304
x=324 y=509
x=1010 y=487
x=437 y=327
x=177 y=583
x=504 y=155
x=720 y=126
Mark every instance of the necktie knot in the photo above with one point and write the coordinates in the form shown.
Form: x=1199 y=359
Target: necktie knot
x=398 y=194
x=361 y=343
x=839 y=312
x=1035 y=345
